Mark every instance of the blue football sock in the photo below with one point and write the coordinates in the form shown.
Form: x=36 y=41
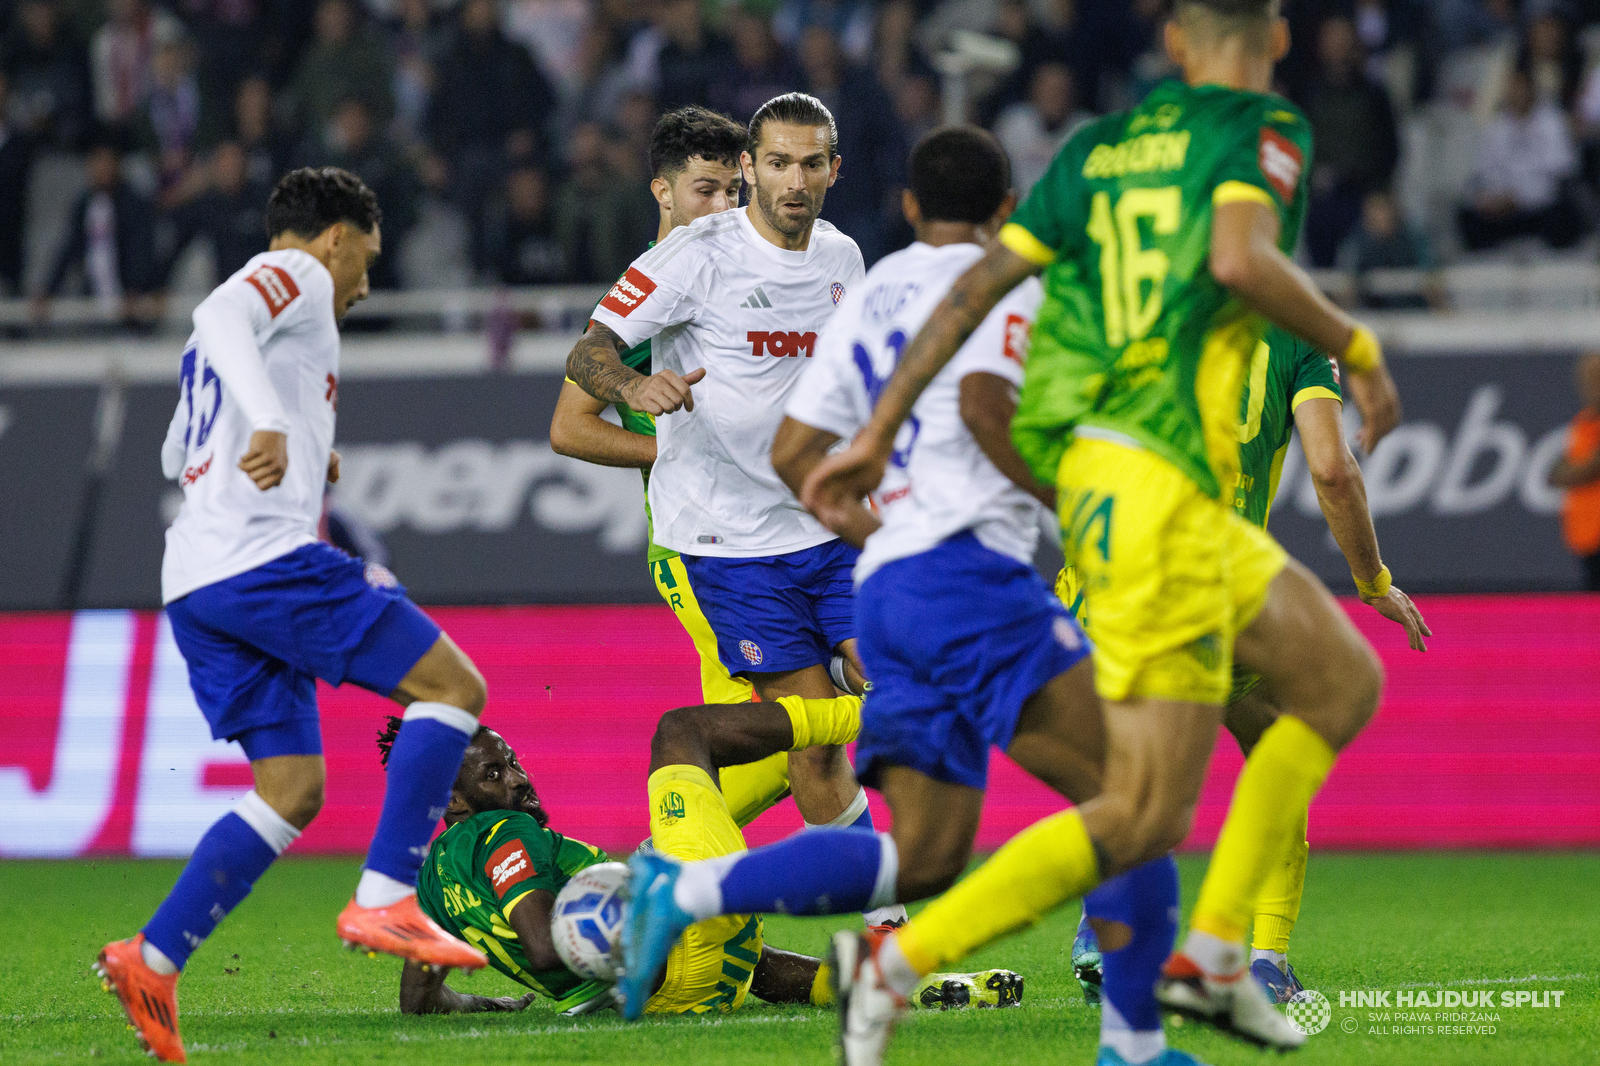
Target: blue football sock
x=422 y=769
x=815 y=871
x=234 y=852
x=1146 y=900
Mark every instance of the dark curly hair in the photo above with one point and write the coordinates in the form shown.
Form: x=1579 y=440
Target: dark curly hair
x=795 y=109
x=693 y=132
x=391 y=730
x=959 y=174
x=309 y=200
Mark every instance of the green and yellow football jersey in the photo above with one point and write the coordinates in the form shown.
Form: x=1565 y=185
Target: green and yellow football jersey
x=1285 y=371
x=478 y=871
x=1136 y=339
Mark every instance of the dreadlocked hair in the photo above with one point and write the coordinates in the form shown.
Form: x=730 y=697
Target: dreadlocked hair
x=391 y=730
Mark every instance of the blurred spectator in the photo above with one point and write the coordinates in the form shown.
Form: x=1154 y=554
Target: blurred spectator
x=229 y=38
x=605 y=215
x=1464 y=23
x=111 y=240
x=1578 y=471
x=417 y=45
x=489 y=112
x=917 y=105
x=1383 y=241
x=762 y=68
x=230 y=214
x=172 y=118
x=849 y=22
x=343 y=61
x=16 y=167
x=691 y=56
x=865 y=202
x=265 y=150
x=122 y=58
x=1095 y=38
x=352 y=141
x=1519 y=188
x=1033 y=131
x=528 y=250
x=48 y=71
x=600 y=82
x=1549 y=53
x=554 y=31
x=895 y=54
x=1400 y=31
x=1353 y=126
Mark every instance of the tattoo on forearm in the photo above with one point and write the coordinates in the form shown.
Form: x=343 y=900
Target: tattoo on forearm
x=595 y=364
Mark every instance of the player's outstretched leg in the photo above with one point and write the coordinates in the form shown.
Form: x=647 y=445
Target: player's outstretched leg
x=233 y=853
x=444 y=695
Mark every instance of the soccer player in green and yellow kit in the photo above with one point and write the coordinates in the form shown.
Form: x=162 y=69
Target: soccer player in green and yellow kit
x=1163 y=233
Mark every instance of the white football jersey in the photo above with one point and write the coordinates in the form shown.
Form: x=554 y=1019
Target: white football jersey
x=938 y=482
x=264 y=355
x=718 y=295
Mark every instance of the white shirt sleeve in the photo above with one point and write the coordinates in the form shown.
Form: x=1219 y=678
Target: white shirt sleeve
x=831 y=396
x=173 y=450
x=999 y=345
x=227 y=324
x=657 y=291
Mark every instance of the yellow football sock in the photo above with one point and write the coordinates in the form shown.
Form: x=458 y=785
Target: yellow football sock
x=822 y=987
x=833 y=721
x=1046 y=864
x=1274 y=792
x=1279 y=905
x=689 y=819
x=752 y=788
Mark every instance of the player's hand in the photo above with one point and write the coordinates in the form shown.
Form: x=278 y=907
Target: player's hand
x=1396 y=606
x=508 y=1004
x=833 y=491
x=268 y=458
x=663 y=393
x=333 y=467
x=1379 y=403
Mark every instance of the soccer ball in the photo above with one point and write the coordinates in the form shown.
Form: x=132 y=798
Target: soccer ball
x=586 y=921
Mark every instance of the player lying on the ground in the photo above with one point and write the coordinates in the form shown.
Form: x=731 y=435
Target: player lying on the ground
x=966 y=647
x=260 y=609
x=1165 y=232
x=493 y=875
x=1291 y=385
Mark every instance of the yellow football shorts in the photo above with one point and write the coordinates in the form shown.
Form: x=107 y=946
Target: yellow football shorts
x=710 y=969
x=1170 y=576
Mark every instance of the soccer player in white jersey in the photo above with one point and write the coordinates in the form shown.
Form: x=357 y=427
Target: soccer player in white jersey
x=732 y=304
x=260 y=609
x=965 y=644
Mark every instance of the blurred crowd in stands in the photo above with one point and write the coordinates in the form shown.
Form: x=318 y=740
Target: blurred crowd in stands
x=506 y=138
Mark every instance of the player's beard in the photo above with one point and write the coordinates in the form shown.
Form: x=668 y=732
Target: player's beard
x=769 y=201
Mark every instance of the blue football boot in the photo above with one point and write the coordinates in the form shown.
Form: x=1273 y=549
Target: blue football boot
x=1087 y=966
x=1280 y=987
x=652 y=922
x=1169 y=1057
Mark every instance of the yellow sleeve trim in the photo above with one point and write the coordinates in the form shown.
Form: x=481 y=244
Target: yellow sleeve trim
x=1232 y=192
x=569 y=381
x=505 y=912
x=1025 y=244
x=1314 y=392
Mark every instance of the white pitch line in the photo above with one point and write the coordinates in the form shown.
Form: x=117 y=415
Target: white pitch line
x=1478 y=981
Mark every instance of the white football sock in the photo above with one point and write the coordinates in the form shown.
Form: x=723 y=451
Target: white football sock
x=381 y=890
x=156 y=959
x=1216 y=956
x=1135 y=1047
x=1277 y=958
x=898 y=973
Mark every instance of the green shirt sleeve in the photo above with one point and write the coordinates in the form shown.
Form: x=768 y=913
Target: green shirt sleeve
x=1269 y=161
x=1049 y=220
x=517 y=856
x=1314 y=375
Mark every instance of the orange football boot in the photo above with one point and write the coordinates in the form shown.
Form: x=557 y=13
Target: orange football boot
x=149 y=999
x=402 y=929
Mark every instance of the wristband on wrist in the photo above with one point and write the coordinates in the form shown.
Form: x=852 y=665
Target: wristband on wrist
x=1364 y=353
x=1378 y=587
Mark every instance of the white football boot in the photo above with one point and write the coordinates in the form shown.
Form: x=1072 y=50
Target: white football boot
x=868 y=1007
x=1234 y=1004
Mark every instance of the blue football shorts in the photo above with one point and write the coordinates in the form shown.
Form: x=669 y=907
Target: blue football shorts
x=955 y=640
x=255 y=644
x=777 y=613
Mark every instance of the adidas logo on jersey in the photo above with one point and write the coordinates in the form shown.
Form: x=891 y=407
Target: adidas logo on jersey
x=757 y=299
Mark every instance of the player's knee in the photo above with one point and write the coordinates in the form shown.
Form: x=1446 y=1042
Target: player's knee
x=679 y=738
x=465 y=688
x=297 y=800
x=938 y=865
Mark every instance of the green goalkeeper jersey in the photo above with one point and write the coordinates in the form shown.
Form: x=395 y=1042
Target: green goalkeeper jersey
x=638 y=358
x=1285 y=371
x=477 y=872
x=1136 y=340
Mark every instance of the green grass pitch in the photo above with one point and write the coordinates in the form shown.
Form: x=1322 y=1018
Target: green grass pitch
x=273 y=985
